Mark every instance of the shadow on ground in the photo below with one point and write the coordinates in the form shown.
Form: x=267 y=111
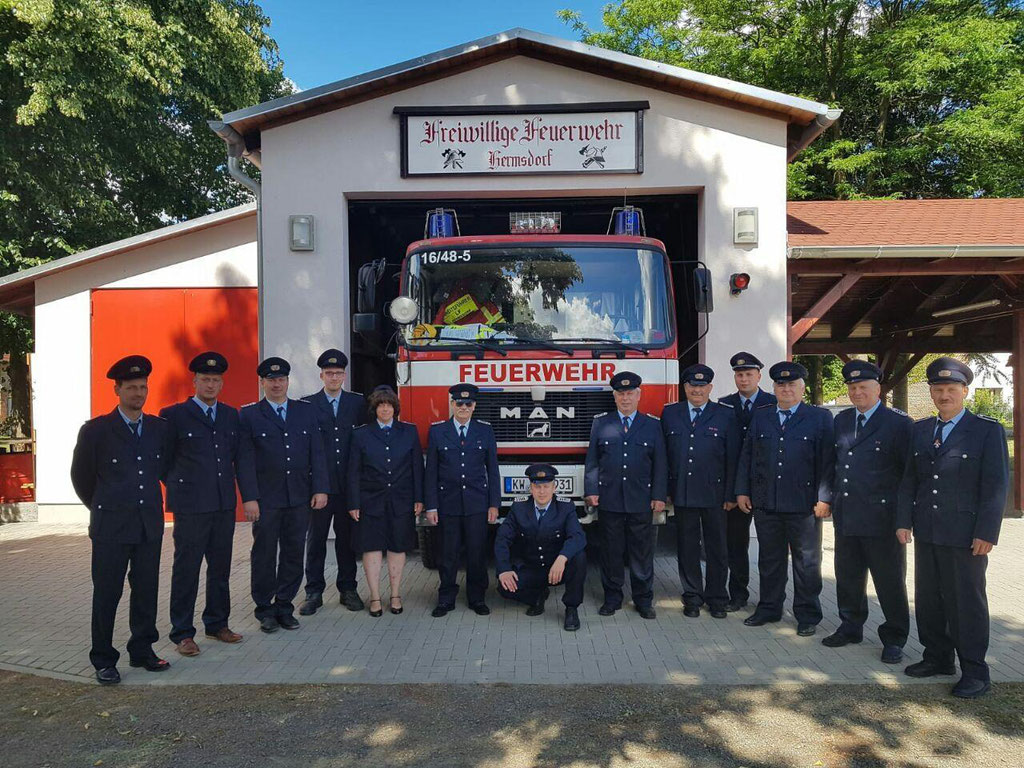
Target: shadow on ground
x=47 y=722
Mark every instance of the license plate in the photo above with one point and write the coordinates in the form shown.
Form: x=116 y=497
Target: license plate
x=517 y=486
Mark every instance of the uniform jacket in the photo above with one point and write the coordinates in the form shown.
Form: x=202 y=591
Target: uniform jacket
x=117 y=476
x=627 y=471
x=742 y=418
x=337 y=432
x=282 y=463
x=868 y=471
x=521 y=540
x=701 y=457
x=956 y=493
x=787 y=472
x=462 y=479
x=203 y=458
x=385 y=475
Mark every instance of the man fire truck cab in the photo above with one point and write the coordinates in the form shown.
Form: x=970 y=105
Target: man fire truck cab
x=540 y=322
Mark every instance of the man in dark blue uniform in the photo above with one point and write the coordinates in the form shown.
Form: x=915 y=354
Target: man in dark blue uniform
x=784 y=478
x=952 y=498
x=871 y=450
x=282 y=473
x=119 y=460
x=703 y=443
x=201 y=494
x=339 y=412
x=540 y=545
x=626 y=478
x=462 y=487
x=748 y=396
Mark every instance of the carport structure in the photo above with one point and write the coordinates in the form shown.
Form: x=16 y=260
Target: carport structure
x=900 y=279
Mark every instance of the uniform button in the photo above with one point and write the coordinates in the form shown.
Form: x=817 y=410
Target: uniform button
x=845 y=480
x=387 y=447
x=688 y=474
x=286 y=434
x=690 y=461
x=624 y=466
x=778 y=477
x=935 y=506
x=287 y=471
x=935 y=476
x=845 y=493
x=140 y=487
x=691 y=447
x=463 y=465
x=140 y=471
x=138 y=458
x=140 y=501
x=781 y=439
x=218 y=459
x=849 y=453
x=287 y=446
x=935 y=490
x=780 y=463
x=287 y=458
x=218 y=474
x=389 y=485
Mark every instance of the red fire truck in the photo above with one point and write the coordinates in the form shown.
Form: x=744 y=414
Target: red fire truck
x=539 y=321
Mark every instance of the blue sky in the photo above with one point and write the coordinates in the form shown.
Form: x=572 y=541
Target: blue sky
x=324 y=40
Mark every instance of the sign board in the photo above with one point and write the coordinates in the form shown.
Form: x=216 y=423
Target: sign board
x=575 y=139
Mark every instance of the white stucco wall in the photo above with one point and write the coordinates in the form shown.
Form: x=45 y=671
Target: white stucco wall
x=730 y=157
x=223 y=255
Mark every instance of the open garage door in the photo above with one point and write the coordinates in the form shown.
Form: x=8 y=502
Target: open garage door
x=170 y=326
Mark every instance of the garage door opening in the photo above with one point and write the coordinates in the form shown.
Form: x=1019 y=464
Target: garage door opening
x=383 y=229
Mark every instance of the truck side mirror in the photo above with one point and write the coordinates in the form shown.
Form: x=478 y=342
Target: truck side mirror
x=365 y=323
x=366 y=281
x=703 y=299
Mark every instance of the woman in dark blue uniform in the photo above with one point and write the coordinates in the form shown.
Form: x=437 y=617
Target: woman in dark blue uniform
x=385 y=493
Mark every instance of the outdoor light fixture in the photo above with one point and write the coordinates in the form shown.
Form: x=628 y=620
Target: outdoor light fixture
x=738 y=282
x=744 y=226
x=403 y=310
x=967 y=308
x=300 y=233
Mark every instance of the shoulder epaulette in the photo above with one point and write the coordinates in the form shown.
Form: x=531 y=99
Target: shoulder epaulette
x=563 y=498
x=357 y=393
x=901 y=413
x=358 y=426
x=652 y=416
x=727 y=405
x=248 y=405
x=599 y=415
x=987 y=418
x=766 y=405
x=442 y=421
x=483 y=422
x=520 y=498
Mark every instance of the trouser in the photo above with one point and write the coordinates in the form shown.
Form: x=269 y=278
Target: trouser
x=533 y=582
x=456 y=531
x=320 y=522
x=201 y=535
x=738 y=544
x=694 y=524
x=627 y=536
x=110 y=563
x=277 y=542
x=886 y=560
x=780 y=537
x=951 y=606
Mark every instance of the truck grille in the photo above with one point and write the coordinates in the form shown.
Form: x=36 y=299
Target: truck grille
x=561 y=417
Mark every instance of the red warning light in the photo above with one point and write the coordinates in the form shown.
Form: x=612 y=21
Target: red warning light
x=738 y=282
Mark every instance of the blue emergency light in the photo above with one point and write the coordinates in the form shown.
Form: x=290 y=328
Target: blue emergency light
x=627 y=220
x=441 y=222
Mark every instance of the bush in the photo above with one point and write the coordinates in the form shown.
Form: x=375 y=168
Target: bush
x=987 y=402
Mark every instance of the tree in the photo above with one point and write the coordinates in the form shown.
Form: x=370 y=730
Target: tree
x=103 y=110
x=931 y=89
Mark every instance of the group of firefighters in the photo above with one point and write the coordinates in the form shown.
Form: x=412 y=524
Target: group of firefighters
x=337 y=459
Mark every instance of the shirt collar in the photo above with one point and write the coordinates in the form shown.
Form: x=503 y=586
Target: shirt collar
x=127 y=420
x=383 y=424
x=275 y=406
x=624 y=416
x=332 y=398
x=870 y=411
x=203 y=406
x=751 y=399
x=792 y=410
x=457 y=425
x=956 y=419
x=693 y=408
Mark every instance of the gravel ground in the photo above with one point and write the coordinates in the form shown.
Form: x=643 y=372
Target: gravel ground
x=45 y=722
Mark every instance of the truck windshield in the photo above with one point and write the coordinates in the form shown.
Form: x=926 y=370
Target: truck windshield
x=512 y=294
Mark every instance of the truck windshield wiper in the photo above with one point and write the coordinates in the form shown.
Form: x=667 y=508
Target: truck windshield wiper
x=539 y=342
x=476 y=343
x=610 y=342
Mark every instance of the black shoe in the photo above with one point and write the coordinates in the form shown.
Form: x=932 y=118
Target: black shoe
x=928 y=669
x=108 y=676
x=311 y=604
x=480 y=609
x=535 y=610
x=392 y=607
x=647 y=612
x=838 y=640
x=269 y=624
x=379 y=612
x=607 y=610
x=806 y=630
x=735 y=605
x=288 y=621
x=892 y=654
x=758 y=620
x=572 y=619
x=351 y=600
x=971 y=688
x=718 y=613
x=691 y=611
x=152 y=664
x=441 y=610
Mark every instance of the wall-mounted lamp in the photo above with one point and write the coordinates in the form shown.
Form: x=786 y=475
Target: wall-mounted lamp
x=744 y=226
x=301 y=236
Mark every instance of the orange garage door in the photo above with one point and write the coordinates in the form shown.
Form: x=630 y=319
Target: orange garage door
x=170 y=326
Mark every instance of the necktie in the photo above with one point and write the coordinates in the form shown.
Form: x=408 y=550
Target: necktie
x=334 y=406
x=696 y=415
x=209 y=414
x=462 y=433
x=785 y=417
x=939 y=425
x=540 y=513
x=280 y=412
x=860 y=424
x=746 y=407
x=625 y=423
x=134 y=427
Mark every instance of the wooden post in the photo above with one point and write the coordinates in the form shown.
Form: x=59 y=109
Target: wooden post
x=1017 y=360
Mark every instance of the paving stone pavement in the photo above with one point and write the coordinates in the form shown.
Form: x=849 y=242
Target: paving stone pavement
x=45 y=595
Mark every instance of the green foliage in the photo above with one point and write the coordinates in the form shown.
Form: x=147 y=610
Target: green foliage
x=931 y=89
x=103 y=110
x=987 y=402
x=831 y=382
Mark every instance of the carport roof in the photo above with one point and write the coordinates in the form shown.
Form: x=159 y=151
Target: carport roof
x=807 y=119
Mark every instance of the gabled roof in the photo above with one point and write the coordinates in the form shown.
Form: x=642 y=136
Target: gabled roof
x=984 y=222
x=807 y=119
x=17 y=290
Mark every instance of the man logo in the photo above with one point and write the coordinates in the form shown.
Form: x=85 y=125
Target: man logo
x=537 y=413
x=539 y=430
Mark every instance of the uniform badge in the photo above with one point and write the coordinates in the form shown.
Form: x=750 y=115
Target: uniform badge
x=784 y=374
x=945 y=373
x=741 y=361
x=332 y=360
x=542 y=474
x=854 y=373
x=625 y=382
x=698 y=375
x=464 y=395
x=275 y=367
x=211 y=362
x=134 y=369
